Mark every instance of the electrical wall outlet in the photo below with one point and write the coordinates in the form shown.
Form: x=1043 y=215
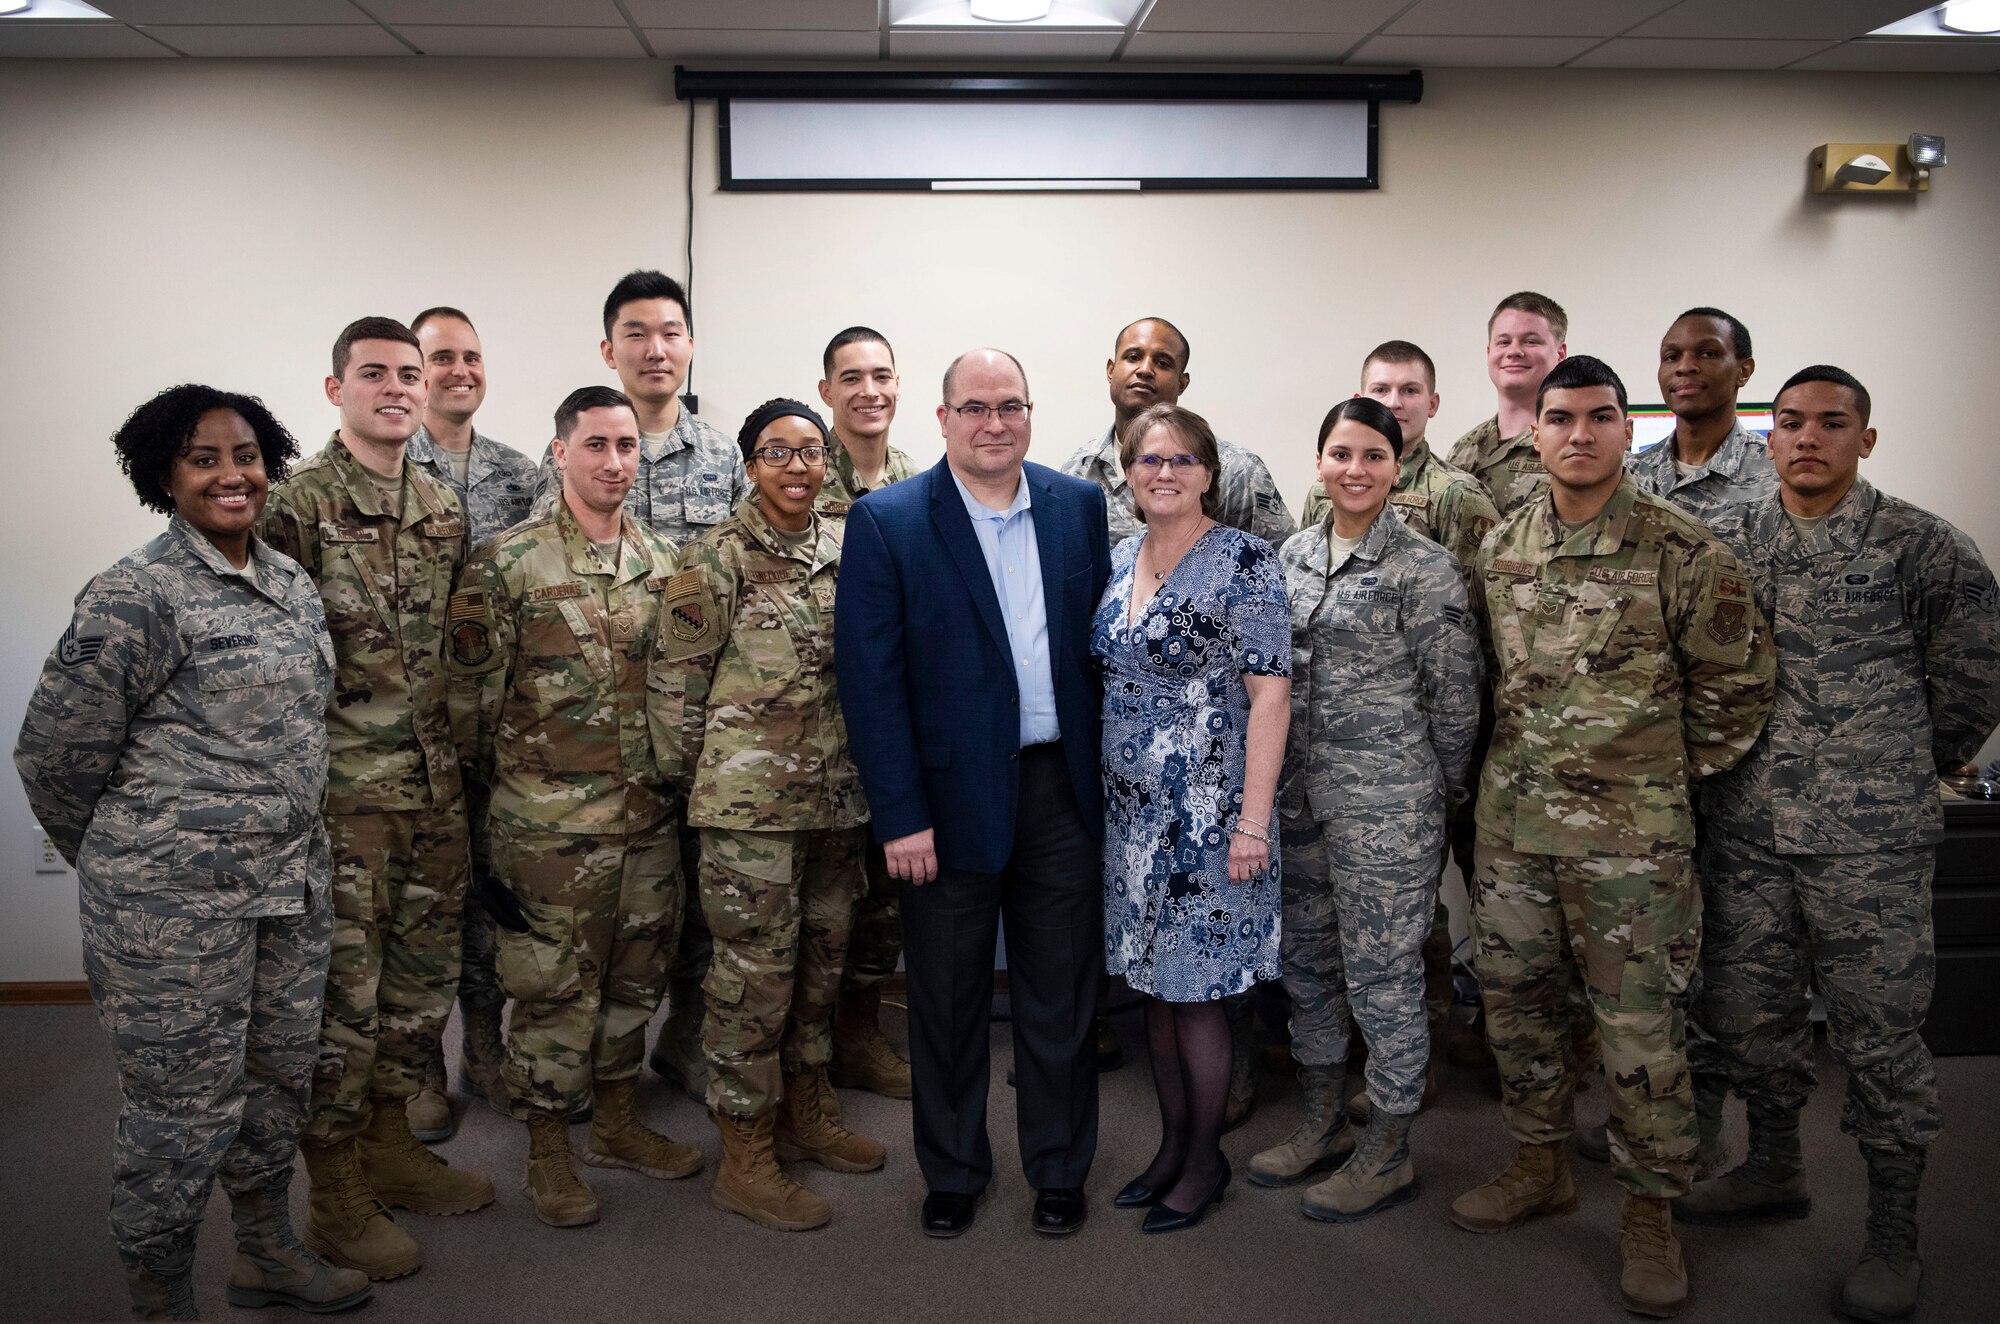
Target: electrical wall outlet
x=47 y=858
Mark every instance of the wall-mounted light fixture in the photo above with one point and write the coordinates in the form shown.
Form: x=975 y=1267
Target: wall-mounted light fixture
x=1871 y=168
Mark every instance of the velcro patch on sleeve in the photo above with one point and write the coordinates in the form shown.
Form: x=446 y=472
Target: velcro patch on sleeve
x=556 y=592
x=1732 y=588
x=466 y=605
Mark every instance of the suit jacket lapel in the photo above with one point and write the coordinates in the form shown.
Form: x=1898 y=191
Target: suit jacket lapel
x=1045 y=508
x=954 y=526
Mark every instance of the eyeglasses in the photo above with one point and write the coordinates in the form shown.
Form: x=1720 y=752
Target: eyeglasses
x=780 y=456
x=1007 y=411
x=1152 y=463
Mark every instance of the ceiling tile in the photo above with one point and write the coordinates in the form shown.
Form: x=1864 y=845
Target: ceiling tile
x=1018 y=44
x=1677 y=53
x=1524 y=18
x=500 y=13
x=1925 y=57
x=710 y=44
x=737 y=15
x=279 y=39
x=143 y=12
x=1331 y=16
x=562 y=43
x=1831 y=19
x=43 y=41
x=1242 y=47
x=1473 y=52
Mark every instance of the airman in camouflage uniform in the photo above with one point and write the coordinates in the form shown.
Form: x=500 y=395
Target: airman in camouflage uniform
x=1819 y=848
x=844 y=487
x=1739 y=474
x=499 y=487
x=1446 y=505
x=1524 y=339
x=1385 y=708
x=690 y=479
x=1507 y=467
x=550 y=640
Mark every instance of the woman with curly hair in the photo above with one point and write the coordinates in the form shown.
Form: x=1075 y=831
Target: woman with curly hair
x=175 y=750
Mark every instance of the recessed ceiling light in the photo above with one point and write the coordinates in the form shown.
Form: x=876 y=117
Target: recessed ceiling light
x=1980 y=16
x=1010 y=11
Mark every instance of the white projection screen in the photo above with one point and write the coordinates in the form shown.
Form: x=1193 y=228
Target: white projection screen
x=943 y=145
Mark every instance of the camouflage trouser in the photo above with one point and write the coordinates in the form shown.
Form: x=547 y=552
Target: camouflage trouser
x=1359 y=895
x=586 y=978
x=780 y=905
x=1860 y=926
x=693 y=949
x=1629 y=930
x=877 y=941
x=399 y=882
x=478 y=976
x=214 y=1025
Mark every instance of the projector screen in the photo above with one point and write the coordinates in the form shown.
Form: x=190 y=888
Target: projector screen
x=959 y=144
x=1653 y=424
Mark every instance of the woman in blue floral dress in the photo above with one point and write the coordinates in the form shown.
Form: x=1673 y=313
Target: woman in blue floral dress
x=1194 y=639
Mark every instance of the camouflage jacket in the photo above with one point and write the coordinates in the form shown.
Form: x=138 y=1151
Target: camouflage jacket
x=1507 y=467
x=1888 y=667
x=175 y=747
x=1386 y=674
x=688 y=482
x=742 y=697
x=548 y=652
x=499 y=483
x=385 y=577
x=1628 y=658
x=1444 y=504
x=844 y=487
x=1248 y=499
x=1740 y=473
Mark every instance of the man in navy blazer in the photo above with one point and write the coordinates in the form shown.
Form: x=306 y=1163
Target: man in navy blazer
x=963 y=651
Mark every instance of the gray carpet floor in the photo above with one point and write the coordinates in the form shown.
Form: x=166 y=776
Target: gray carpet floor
x=662 y=1252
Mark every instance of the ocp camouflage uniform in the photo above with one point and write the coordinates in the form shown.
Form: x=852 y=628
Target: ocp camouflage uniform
x=1740 y=473
x=548 y=652
x=743 y=699
x=843 y=485
x=1628 y=659
x=394 y=808
x=1508 y=467
x=1246 y=496
x=1820 y=843
x=690 y=479
x=1385 y=707
x=175 y=751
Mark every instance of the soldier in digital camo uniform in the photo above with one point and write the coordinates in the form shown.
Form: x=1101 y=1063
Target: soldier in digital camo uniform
x=1628 y=661
x=494 y=484
x=744 y=706
x=175 y=751
x=573 y=829
x=1525 y=337
x=384 y=541
x=1819 y=848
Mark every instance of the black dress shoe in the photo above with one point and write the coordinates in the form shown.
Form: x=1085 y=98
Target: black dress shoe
x=1136 y=1194
x=948 y=1213
x=1166 y=1218
x=1059 y=1211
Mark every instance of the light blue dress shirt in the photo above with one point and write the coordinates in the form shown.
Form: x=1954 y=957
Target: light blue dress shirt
x=1007 y=539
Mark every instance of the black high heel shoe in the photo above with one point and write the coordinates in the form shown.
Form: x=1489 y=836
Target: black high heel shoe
x=1136 y=1194
x=1166 y=1218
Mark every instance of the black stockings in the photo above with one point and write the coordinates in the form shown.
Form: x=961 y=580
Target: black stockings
x=1189 y=1042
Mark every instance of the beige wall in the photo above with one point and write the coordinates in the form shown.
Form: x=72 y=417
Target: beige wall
x=219 y=221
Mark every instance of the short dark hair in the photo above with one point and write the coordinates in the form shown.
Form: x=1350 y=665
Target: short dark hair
x=1826 y=372
x=431 y=314
x=1739 y=334
x=1364 y=409
x=1580 y=372
x=1397 y=351
x=853 y=335
x=369 y=328
x=587 y=397
x=636 y=285
x=158 y=432
x=1192 y=429
x=1536 y=305
x=1186 y=350
x=951 y=372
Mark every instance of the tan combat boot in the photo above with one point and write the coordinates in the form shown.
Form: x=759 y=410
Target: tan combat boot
x=1536 y=1182
x=345 y=1223
x=405 y=1175
x=804 y=1129
x=430 y=1112
x=1884 y=1285
x=677 y=1055
x=1321 y=1140
x=481 y=1054
x=863 y=1057
x=1653 y=1278
x=560 y=1197
x=751 y=1183
x=1768 y=1186
x=161 y=1295
x=618 y=1139
x=273 y=1268
x=1380 y=1176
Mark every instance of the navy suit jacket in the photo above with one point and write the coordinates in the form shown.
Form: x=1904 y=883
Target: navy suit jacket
x=926 y=677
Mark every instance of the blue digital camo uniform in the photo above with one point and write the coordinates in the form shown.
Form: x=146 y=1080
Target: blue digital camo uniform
x=175 y=750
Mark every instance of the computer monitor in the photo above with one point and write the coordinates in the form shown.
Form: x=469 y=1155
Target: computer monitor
x=1653 y=424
